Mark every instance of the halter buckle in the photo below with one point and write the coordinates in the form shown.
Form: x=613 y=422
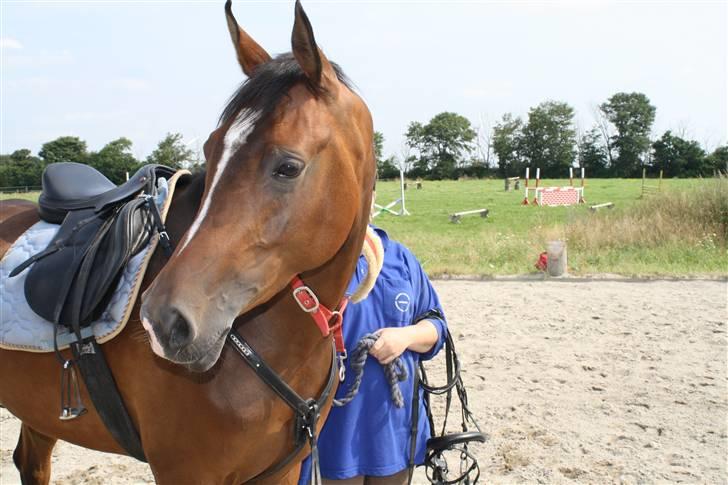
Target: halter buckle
x=336 y=320
x=306 y=299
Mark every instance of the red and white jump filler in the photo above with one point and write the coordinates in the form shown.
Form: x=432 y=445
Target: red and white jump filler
x=553 y=196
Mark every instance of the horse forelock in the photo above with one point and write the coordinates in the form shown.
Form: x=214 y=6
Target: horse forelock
x=271 y=82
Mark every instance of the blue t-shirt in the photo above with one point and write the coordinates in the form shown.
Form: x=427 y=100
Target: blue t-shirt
x=370 y=435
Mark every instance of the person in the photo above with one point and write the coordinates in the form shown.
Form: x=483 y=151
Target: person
x=368 y=440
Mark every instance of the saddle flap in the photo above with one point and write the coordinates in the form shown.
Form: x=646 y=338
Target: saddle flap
x=72 y=285
x=50 y=278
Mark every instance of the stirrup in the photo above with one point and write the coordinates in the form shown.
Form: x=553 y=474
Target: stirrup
x=70 y=392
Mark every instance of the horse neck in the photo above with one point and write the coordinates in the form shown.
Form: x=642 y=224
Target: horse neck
x=330 y=281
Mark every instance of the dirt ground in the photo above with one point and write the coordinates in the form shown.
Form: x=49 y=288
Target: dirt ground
x=589 y=381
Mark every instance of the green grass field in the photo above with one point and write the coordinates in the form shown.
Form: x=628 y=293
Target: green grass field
x=679 y=232
x=511 y=238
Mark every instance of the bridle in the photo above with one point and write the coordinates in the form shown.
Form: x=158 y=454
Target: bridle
x=306 y=411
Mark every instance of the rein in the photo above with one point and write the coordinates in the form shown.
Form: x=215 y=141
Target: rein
x=395 y=371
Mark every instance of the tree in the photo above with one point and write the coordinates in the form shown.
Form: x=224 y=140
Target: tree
x=507 y=145
x=549 y=138
x=406 y=160
x=64 y=149
x=592 y=154
x=677 y=157
x=115 y=160
x=172 y=152
x=20 y=169
x=606 y=130
x=718 y=160
x=378 y=146
x=443 y=144
x=632 y=116
x=386 y=168
x=484 y=142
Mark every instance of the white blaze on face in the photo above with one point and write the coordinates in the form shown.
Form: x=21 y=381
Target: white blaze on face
x=235 y=138
x=156 y=347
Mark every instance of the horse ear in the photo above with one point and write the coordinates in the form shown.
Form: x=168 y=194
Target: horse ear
x=250 y=54
x=312 y=60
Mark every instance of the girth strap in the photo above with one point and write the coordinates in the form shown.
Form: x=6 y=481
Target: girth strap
x=307 y=411
x=105 y=395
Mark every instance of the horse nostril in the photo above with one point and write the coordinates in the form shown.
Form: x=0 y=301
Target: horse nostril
x=180 y=331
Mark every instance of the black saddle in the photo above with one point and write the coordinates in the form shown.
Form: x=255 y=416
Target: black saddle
x=102 y=227
x=72 y=186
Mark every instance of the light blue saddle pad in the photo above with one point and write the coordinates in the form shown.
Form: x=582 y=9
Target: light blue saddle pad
x=22 y=329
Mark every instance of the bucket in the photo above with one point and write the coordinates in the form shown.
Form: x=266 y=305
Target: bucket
x=556 y=251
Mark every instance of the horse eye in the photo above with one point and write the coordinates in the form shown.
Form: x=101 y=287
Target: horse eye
x=288 y=169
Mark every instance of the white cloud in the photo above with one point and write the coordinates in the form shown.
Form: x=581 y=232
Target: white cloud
x=129 y=84
x=43 y=59
x=10 y=43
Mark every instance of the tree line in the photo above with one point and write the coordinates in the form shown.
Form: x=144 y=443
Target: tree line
x=618 y=145
x=115 y=159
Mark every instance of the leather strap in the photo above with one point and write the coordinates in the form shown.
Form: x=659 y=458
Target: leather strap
x=105 y=396
x=306 y=411
x=164 y=240
x=413 y=426
x=327 y=321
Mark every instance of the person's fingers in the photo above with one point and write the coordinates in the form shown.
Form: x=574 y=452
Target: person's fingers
x=384 y=358
x=374 y=353
x=377 y=345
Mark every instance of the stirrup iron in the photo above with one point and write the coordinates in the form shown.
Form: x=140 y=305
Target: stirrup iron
x=71 y=404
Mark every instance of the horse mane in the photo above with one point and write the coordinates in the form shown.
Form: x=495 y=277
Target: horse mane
x=269 y=83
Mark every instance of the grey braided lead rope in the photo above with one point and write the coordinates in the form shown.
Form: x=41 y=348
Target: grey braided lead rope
x=395 y=371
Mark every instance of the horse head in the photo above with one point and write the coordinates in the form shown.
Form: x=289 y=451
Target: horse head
x=289 y=174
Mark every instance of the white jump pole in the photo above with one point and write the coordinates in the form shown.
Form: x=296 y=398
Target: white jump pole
x=389 y=207
x=571 y=176
x=525 y=198
x=403 y=211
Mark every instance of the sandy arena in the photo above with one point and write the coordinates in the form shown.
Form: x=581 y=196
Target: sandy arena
x=598 y=381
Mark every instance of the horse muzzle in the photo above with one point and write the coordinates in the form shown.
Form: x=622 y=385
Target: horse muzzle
x=174 y=338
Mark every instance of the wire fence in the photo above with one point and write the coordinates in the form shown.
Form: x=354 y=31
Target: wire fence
x=20 y=189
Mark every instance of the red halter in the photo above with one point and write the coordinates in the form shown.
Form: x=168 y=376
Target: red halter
x=326 y=320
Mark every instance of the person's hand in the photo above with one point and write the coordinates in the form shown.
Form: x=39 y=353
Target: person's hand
x=390 y=344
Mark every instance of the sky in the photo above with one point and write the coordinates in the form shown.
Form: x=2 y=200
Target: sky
x=101 y=70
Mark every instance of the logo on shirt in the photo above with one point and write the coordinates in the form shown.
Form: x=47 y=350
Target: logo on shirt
x=402 y=302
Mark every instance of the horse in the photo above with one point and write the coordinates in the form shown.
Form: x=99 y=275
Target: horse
x=287 y=191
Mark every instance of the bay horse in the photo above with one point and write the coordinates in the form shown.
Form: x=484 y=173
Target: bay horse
x=287 y=191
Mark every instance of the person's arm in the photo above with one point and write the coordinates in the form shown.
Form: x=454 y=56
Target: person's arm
x=427 y=335
x=420 y=337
